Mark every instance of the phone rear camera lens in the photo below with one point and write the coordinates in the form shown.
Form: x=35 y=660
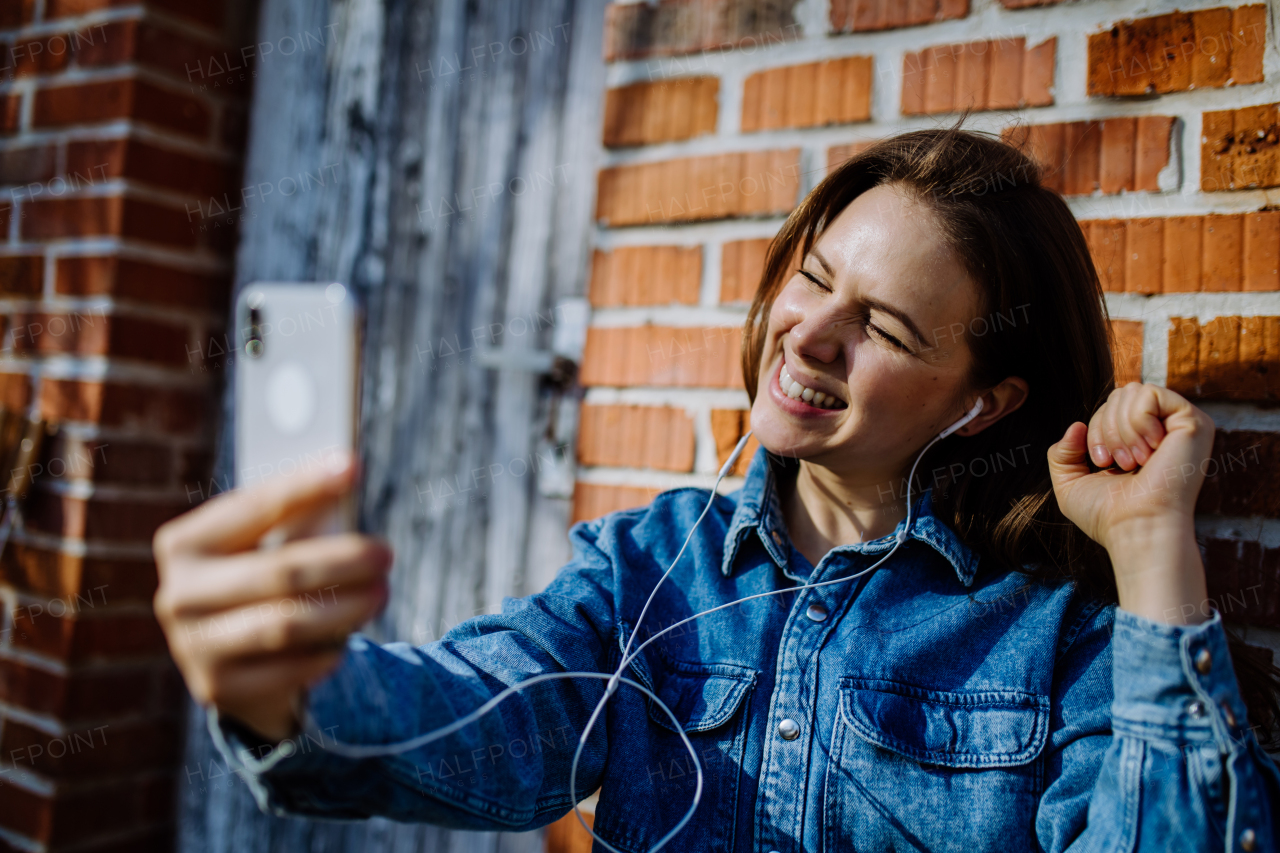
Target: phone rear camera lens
x=253 y=348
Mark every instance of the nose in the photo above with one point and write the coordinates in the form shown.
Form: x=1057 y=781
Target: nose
x=815 y=332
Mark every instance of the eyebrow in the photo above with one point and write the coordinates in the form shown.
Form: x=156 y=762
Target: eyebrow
x=901 y=315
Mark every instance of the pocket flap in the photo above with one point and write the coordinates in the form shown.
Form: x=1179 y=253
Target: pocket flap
x=702 y=696
x=988 y=728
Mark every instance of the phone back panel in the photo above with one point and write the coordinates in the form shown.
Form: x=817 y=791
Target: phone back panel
x=296 y=400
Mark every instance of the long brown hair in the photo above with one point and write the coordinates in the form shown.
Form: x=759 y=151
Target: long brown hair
x=1041 y=316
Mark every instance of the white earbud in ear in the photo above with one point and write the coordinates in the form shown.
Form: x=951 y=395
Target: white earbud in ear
x=970 y=415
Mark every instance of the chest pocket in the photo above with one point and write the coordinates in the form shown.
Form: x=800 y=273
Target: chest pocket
x=937 y=770
x=702 y=696
x=970 y=730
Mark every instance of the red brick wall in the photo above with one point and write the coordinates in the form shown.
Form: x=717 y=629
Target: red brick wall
x=720 y=117
x=117 y=144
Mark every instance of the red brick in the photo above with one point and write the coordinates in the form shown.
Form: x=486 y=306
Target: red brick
x=1152 y=154
x=1248 y=43
x=149 y=44
x=1144 y=248
x=22 y=275
x=44 y=55
x=673 y=27
x=1007 y=57
x=1106 y=240
x=10 y=113
x=940 y=79
x=1210 y=59
x=89 y=103
x=835 y=91
x=741 y=267
x=671 y=191
x=167 y=410
x=1242 y=578
x=117 y=216
x=1178 y=51
x=1238 y=480
x=646 y=275
x=1037 y=73
x=1127 y=350
x=869 y=15
x=86 y=636
x=87 y=580
x=125 y=278
x=110 y=749
x=100 y=159
x=1223 y=253
x=1183 y=245
x=644 y=113
x=76 y=696
x=1261 y=251
x=1117 y=154
x=592 y=501
x=663 y=356
x=1082 y=142
x=1241 y=148
x=1227 y=358
x=98 y=519
x=33 y=164
x=997 y=74
x=92 y=332
x=657 y=437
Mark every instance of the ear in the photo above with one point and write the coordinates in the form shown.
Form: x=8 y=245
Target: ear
x=996 y=403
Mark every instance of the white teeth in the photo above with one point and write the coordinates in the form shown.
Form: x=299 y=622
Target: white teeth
x=795 y=390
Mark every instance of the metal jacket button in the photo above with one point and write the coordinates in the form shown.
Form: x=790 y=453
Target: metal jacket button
x=1204 y=661
x=1227 y=715
x=1196 y=709
x=816 y=612
x=789 y=729
x=1248 y=840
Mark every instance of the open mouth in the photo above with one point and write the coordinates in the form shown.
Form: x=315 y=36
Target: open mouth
x=797 y=391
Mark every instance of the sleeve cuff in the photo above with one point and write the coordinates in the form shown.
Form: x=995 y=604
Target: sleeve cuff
x=1176 y=682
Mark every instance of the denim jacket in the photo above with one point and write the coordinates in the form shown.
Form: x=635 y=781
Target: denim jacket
x=927 y=705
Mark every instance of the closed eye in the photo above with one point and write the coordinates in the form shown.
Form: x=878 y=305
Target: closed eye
x=813 y=278
x=888 y=337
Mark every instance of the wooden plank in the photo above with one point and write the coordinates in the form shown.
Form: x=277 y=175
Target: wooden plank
x=415 y=139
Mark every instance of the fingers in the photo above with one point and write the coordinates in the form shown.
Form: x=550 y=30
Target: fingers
x=237 y=520
x=294 y=569
x=1129 y=426
x=279 y=627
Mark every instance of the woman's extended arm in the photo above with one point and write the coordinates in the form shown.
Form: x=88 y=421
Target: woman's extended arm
x=509 y=770
x=1173 y=763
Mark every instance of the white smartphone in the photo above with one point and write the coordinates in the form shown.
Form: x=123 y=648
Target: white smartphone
x=297 y=378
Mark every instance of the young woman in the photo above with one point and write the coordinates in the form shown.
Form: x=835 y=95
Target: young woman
x=1035 y=665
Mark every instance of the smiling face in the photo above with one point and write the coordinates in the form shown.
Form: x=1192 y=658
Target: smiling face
x=865 y=322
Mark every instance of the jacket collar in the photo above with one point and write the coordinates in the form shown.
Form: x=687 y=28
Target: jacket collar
x=760 y=509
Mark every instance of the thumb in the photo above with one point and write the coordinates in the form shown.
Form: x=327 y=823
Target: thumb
x=1069 y=458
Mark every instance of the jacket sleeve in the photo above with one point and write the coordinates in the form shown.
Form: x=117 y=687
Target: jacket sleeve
x=509 y=770
x=1170 y=762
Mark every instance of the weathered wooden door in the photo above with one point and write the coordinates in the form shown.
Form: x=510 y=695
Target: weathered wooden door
x=442 y=160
